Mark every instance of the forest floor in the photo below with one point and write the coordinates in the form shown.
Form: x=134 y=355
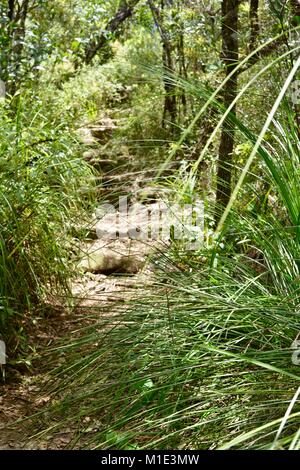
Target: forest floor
x=24 y=392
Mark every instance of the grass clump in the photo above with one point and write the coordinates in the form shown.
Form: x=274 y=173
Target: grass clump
x=208 y=357
x=44 y=185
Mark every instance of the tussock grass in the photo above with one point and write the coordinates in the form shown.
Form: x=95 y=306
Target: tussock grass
x=44 y=184
x=207 y=358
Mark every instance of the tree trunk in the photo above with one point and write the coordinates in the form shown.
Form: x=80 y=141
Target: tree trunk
x=11 y=10
x=230 y=55
x=182 y=69
x=170 y=105
x=254 y=24
x=16 y=30
x=19 y=36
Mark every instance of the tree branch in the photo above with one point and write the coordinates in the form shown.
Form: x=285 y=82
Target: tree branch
x=125 y=11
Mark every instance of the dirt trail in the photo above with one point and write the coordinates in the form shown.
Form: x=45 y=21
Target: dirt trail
x=23 y=394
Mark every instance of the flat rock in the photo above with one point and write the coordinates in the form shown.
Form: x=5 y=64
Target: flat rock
x=114 y=256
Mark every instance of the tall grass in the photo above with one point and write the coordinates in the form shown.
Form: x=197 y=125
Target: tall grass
x=206 y=358
x=199 y=361
x=41 y=182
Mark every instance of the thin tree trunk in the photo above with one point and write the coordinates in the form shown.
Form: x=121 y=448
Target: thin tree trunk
x=170 y=105
x=5 y=56
x=11 y=10
x=16 y=31
x=254 y=24
x=19 y=36
x=230 y=55
x=182 y=70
